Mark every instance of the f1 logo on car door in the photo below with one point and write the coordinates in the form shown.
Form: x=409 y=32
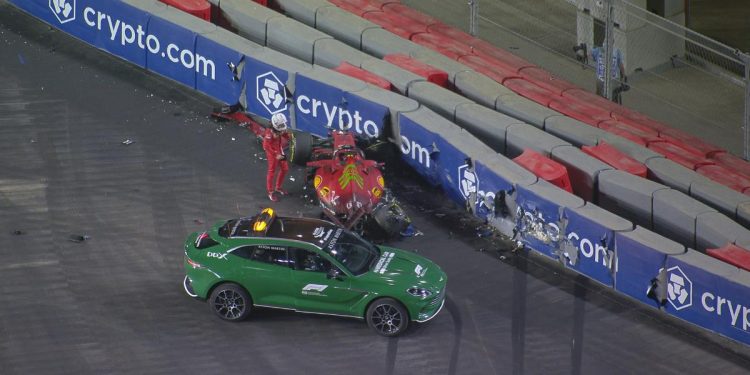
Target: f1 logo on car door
x=318 y=293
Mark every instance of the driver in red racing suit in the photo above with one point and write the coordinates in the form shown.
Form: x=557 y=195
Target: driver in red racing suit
x=274 y=140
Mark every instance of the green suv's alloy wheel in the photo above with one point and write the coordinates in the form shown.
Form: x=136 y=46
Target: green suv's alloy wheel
x=387 y=317
x=230 y=302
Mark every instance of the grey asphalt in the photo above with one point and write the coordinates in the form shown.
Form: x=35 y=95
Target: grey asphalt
x=114 y=303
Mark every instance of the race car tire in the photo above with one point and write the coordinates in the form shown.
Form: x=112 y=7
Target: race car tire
x=230 y=302
x=387 y=317
x=301 y=148
x=391 y=218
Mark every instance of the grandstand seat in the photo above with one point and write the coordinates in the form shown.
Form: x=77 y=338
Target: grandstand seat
x=364 y=75
x=432 y=74
x=732 y=254
x=545 y=168
x=544 y=79
x=679 y=155
x=530 y=91
x=616 y=158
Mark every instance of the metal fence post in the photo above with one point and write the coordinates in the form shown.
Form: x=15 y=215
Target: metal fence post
x=473 y=12
x=746 y=120
x=608 y=50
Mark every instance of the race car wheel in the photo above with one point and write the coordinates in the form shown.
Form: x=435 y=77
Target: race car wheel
x=302 y=148
x=230 y=302
x=387 y=317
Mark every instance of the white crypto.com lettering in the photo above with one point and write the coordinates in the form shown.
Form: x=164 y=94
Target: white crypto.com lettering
x=346 y=119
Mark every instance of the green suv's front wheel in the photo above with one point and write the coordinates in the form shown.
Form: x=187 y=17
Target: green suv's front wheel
x=387 y=317
x=230 y=302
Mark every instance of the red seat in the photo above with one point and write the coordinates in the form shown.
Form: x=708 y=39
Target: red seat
x=446 y=46
x=620 y=128
x=690 y=143
x=628 y=115
x=734 y=163
x=579 y=110
x=410 y=13
x=489 y=67
x=530 y=91
x=363 y=75
x=679 y=155
x=198 y=8
x=432 y=74
x=726 y=177
x=545 y=168
x=544 y=79
x=360 y=7
x=591 y=99
x=732 y=254
x=395 y=23
x=616 y=158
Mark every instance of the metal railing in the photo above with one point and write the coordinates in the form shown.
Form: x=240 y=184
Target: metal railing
x=674 y=74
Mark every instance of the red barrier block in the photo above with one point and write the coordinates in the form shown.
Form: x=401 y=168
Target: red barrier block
x=679 y=155
x=363 y=75
x=395 y=23
x=544 y=79
x=410 y=13
x=530 y=91
x=432 y=74
x=616 y=158
x=579 y=110
x=545 y=168
x=690 y=143
x=732 y=254
x=731 y=162
x=621 y=128
x=489 y=67
x=726 y=177
x=198 y=8
x=446 y=46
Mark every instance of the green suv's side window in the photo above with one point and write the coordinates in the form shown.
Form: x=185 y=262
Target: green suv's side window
x=305 y=260
x=266 y=254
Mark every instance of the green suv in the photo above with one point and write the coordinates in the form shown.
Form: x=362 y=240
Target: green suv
x=313 y=266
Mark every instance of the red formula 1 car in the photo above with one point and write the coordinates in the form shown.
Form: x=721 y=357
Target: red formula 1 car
x=350 y=188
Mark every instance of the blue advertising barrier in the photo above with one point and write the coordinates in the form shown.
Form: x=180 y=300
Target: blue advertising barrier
x=321 y=107
x=266 y=88
x=173 y=52
x=593 y=242
x=489 y=184
x=709 y=293
x=222 y=83
x=538 y=221
x=640 y=255
x=418 y=148
x=109 y=25
x=455 y=174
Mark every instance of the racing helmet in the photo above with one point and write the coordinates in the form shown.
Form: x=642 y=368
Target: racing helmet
x=278 y=121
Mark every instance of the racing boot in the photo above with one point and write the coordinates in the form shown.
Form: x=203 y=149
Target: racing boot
x=282 y=192
x=273 y=197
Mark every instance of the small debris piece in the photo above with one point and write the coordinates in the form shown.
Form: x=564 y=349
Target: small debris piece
x=128 y=142
x=18 y=232
x=198 y=221
x=78 y=238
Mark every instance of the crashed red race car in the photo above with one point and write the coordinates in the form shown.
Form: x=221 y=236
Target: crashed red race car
x=350 y=188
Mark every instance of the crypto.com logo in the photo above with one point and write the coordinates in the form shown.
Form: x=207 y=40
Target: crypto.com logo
x=271 y=93
x=679 y=289
x=64 y=10
x=467 y=181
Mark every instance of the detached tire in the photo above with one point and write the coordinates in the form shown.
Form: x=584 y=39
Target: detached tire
x=387 y=317
x=230 y=302
x=301 y=148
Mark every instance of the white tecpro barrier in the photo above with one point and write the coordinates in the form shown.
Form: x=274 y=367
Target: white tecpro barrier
x=585 y=238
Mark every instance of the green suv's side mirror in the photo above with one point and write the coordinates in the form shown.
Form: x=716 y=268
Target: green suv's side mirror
x=334 y=273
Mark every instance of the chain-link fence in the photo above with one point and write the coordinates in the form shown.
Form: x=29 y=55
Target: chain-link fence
x=659 y=67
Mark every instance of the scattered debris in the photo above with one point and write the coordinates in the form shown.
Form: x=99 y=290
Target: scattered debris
x=32 y=140
x=440 y=215
x=128 y=142
x=198 y=221
x=78 y=238
x=18 y=232
x=233 y=139
x=291 y=178
x=484 y=231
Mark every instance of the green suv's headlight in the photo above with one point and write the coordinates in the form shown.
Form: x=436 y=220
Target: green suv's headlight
x=419 y=292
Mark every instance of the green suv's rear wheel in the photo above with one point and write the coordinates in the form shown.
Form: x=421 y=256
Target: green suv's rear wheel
x=387 y=317
x=230 y=302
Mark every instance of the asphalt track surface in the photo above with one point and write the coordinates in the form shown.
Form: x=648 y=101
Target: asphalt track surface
x=114 y=303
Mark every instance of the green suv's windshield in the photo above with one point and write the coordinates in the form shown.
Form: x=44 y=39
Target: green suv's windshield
x=351 y=250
